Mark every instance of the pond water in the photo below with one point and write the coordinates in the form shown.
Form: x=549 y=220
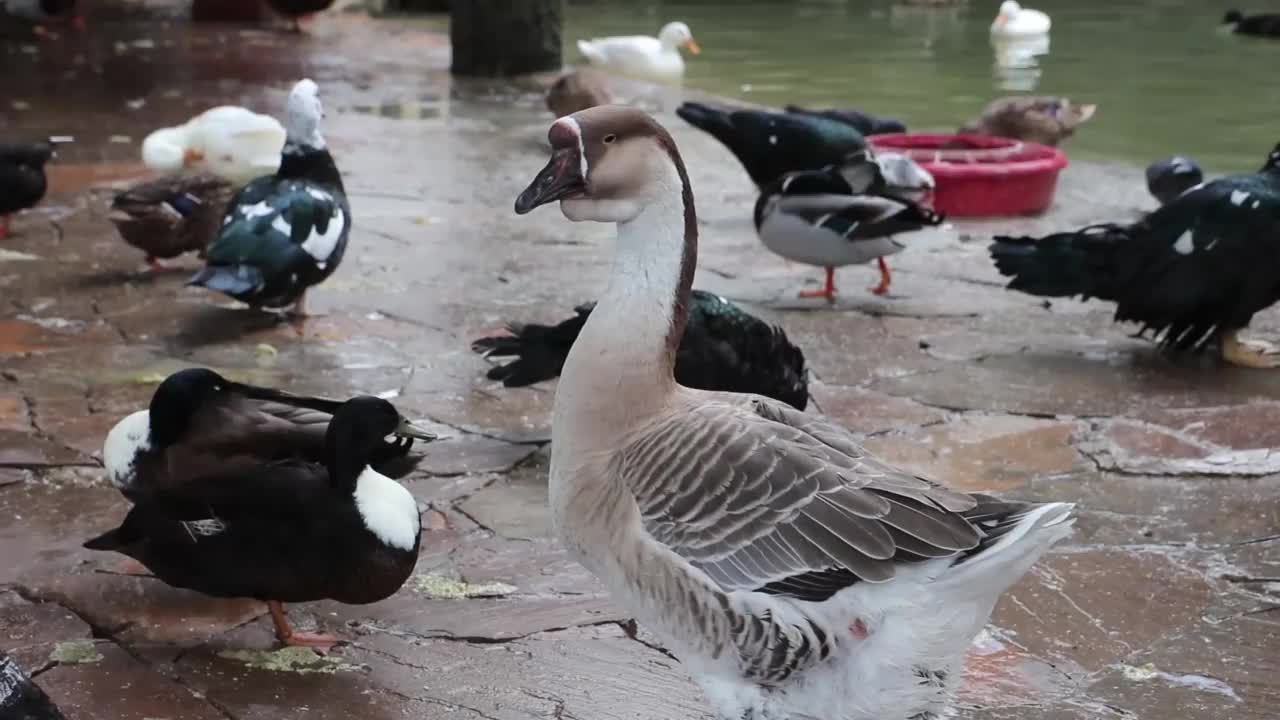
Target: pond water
x=1167 y=79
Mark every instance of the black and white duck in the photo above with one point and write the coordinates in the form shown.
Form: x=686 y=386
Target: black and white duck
x=1263 y=24
x=723 y=348
x=1194 y=270
x=1169 y=178
x=295 y=10
x=286 y=531
x=20 y=697
x=845 y=214
x=200 y=425
x=22 y=180
x=169 y=216
x=286 y=232
x=865 y=123
x=771 y=144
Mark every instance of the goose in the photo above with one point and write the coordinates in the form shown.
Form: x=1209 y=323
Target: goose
x=864 y=123
x=285 y=531
x=1013 y=20
x=643 y=57
x=1267 y=24
x=1192 y=271
x=286 y=232
x=577 y=90
x=724 y=348
x=20 y=697
x=844 y=215
x=1169 y=178
x=169 y=216
x=233 y=142
x=1043 y=119
x=794 y=575
x=771 y=144
x=200 y=425
x=22 y=178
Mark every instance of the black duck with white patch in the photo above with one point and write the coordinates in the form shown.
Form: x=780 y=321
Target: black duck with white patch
x=840 y=215
x=169 y=216
x=20 y=697
x=287 y=232
x=771 y=144
x=1195 y=269
x=723 y=348
x=22 y=179
x=201 y=426
x=287 y=531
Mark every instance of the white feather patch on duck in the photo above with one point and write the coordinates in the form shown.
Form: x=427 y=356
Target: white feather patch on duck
x=388 y=509
x=120 y=450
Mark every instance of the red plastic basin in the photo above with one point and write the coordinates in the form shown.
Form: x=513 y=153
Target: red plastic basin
x=980 y=175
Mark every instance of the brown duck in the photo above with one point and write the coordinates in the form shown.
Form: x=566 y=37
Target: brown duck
x=1044 y=119
x=171 y=215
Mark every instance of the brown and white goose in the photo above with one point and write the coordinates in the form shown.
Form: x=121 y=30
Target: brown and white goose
x=796 y=576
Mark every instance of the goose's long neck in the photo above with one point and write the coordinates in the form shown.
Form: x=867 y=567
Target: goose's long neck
x=620 y=367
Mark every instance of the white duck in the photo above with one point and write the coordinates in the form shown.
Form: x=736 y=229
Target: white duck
x=228 y=141
x=648 y=58
x=1015 y=20
x=794 y=575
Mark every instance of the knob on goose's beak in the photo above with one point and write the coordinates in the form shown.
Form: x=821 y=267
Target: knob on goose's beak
x=561 y=178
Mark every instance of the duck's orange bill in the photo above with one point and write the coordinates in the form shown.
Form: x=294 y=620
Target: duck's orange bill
x=692 y=46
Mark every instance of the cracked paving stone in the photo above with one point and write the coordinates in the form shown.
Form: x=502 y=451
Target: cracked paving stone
x=864 y=411
x=119 y=687
x=472 y=454
x=514 y=506
x=29 y=631
x=44 y=521
x=14 y=413
x=30 y=451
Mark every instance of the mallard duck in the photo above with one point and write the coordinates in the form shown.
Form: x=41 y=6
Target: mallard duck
x=1015 y=20
x=22 y=180
x=169 y=216
x=1195 y=270
x=862 y=122
x=724 y=348
x=229 y=141
x=285 y=531
x=577 y=90
x=20 y=697
x=1046 y=120
x=285 y=232
x=640 y=56
x=1263 y=24
x=1169 y=178
x=295 y=10
x=200 y=425
x=841 y=215
x=787 y=568
x=771 y=144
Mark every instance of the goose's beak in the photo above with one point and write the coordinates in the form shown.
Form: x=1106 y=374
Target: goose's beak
x=408 y=429
x=692 y=46
x=561 y=178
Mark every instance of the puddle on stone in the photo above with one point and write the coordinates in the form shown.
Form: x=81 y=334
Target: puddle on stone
x=1202 y=683
x=425 y=108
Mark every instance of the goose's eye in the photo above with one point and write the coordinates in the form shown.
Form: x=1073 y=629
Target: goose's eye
x=608 y=139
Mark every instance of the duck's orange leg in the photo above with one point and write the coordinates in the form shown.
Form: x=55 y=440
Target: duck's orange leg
x=827 y=291
x=885 y=277
x=320 y=642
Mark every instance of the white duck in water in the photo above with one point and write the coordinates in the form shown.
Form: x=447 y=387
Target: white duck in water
x=640 y=56
x=1015 y=20
x=795 y=576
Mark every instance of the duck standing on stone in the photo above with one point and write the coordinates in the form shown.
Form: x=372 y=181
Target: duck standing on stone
x=846 y=214
x=793 y=574
x=22 y=178
x=1192 y=272
x=285 y=232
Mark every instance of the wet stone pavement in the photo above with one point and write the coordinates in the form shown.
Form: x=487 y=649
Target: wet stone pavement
x=1166 y=603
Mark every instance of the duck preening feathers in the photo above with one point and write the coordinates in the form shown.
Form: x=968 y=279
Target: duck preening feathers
x=286 y=232
x=796 y=576
x=771 y=144
x=1194 y=270
x=200 y=425
x=169 y=216
x=285 y=531
x=724 y=348
x=22 y=179
x=20 y=697
x=844 y=215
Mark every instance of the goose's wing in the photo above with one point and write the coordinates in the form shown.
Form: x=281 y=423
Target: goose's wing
x=756 y=494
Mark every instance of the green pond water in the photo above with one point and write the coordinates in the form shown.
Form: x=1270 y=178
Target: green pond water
x=1167 y=79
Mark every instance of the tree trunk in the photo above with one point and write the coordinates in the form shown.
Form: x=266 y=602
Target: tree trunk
x=500 y=38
